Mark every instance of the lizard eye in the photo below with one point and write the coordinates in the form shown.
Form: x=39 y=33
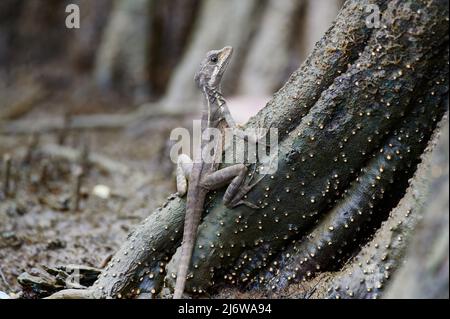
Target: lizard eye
x=213 y=59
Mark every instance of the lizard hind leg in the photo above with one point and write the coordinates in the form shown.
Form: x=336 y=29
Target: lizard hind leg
x=238 y=196
x=234 y=175
x=184 y=168
x=236 y=190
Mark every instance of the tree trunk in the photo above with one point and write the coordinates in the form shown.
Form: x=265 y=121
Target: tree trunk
x=122 y=56
x=261 y=76
x=425 y=272
x=172 y=26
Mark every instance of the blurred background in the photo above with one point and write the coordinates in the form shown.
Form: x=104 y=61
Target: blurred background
x=130 y=52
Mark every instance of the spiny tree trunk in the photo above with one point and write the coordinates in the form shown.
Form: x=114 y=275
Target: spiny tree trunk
x=352 y=121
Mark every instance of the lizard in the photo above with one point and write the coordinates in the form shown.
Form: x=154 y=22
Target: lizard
x=204 y=177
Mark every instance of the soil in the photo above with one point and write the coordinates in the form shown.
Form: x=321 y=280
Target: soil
x=37 y=225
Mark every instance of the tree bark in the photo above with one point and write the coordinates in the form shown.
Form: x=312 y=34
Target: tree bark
x=425 y=271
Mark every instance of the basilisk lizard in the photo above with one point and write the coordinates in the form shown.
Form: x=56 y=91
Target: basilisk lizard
x=204 y=176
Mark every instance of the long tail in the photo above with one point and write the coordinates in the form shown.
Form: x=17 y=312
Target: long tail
x=194 y=210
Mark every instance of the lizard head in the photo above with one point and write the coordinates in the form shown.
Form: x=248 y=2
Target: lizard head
x=213 y=67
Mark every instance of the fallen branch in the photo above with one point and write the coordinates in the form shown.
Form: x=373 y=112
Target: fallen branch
x=90 y=122
x=28 y=99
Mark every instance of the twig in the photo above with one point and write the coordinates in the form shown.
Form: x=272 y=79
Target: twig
x=6 y=173
x=84 y=156
x=34 y=141
x=2 y=275
x=313 y=289
x=43 y=176
x=78 y=176
x=64 y=130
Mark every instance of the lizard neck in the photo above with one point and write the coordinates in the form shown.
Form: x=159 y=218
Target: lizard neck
x=213 y=117
x=213 y=105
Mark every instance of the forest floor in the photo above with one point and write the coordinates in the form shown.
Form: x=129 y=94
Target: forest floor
x=37 y=223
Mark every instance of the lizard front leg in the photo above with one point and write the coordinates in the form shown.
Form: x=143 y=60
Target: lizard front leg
x=184 y=168
x=235 y=190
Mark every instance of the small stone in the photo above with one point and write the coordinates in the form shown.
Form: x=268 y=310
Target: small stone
x=101 y=191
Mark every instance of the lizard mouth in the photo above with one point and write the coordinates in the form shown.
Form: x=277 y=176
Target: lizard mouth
x=226 y=53
x=225 y=56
